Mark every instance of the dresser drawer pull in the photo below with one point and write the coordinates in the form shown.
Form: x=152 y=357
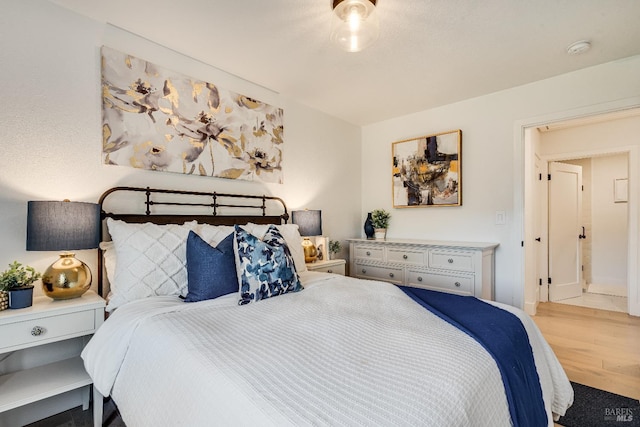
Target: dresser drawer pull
x=391 y=275
x=457 y=284
x=404 y=256
x=368 y=253
x=329 y=271
x=364 y=271
x=419 y=278
x=37 y=331
x=450 y=260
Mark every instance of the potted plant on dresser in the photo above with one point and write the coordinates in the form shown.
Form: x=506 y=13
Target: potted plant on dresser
x=16 y=283
x=380 y=220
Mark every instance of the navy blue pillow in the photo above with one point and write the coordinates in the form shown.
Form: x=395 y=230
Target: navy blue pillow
x=211 y=272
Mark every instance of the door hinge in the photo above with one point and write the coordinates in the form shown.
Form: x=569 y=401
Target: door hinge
x=583 y=188
x=540 y=281
x=522 y=243
x=549 y=177
x=549 y=280
x=540 y=177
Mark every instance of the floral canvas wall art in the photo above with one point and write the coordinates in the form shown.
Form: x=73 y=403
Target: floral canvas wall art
x=161 y=120
x=426 y=171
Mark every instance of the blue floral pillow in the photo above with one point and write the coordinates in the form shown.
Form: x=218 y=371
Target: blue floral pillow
x=211 y=272
x=265 y=266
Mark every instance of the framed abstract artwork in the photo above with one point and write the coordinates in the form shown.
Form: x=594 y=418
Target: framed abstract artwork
x=426 y=171
x=160 y=120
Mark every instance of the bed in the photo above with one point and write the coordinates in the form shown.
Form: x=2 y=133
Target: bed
x=283 y=346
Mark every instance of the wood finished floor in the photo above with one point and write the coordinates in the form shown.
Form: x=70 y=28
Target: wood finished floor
x=597 y=348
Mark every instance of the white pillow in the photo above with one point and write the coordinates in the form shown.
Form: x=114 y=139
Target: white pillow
x=213 y=234
x=291 y=235
x=109 y=259
x=151 y=260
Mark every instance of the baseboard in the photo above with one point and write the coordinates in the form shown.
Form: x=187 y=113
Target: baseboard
x=620 y=291
x=531 y=307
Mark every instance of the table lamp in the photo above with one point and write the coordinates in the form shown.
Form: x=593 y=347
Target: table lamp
x=66 y=226
x=310 y=224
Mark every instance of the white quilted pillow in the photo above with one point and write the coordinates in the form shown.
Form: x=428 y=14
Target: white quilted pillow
x=213 y=234
x=151 y=260
x=291 y=235
x=109 y=258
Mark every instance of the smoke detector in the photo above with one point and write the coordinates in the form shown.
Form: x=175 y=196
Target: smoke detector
x=579 y=47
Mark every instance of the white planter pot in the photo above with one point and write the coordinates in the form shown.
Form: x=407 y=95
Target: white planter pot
x=380 y=233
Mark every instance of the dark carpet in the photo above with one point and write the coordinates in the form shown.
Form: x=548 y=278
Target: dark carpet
x=598 y=408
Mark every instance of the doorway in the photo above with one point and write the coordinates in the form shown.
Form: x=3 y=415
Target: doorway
x=529 y=151
x=588 y=244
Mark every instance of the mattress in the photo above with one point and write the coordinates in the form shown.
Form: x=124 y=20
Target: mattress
x=343 y=351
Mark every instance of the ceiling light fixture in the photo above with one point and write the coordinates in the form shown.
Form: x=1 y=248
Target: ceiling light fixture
x=579 y=47
x=355 y=24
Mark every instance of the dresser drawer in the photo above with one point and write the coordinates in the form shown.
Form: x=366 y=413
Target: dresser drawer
x=451 y=260
x=368 y=252
x=47 y=328
x=462 y=285
x=387 y=274
x=405 y=256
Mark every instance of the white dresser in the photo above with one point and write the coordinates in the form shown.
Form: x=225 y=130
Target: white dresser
x=463 y=268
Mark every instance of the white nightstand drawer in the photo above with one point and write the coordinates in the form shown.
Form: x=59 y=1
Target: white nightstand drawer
x=367 y=252
x=387 y=274
x=335 y=269
x=47 y=328
x=405 y=256
x=462 y=285
x=451 y=260
x=335 y=266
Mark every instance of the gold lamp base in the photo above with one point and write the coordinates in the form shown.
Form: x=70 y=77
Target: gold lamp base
x=310 y=251
x=66 y=278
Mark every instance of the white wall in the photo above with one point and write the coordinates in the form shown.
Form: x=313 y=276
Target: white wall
x=609 y=260
x=490 y=135
x=50 y=138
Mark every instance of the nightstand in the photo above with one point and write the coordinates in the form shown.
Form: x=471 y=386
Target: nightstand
x=45 y=322
x=335 y=266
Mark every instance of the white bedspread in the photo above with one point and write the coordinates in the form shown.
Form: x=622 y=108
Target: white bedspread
x=341 y=352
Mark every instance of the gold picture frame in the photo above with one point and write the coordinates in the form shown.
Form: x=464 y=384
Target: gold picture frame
x=426 y=171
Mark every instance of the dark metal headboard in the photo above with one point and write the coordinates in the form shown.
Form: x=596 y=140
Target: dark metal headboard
x=214 y=202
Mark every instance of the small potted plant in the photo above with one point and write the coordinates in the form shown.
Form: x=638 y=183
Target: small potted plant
x=17 y=282
x=380 y=220
x=334 y=248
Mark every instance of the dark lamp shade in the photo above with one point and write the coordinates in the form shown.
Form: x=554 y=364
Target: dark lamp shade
x=309 y=222
x=62 y=226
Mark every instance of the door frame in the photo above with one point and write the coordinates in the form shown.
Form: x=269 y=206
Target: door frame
x=523 y=220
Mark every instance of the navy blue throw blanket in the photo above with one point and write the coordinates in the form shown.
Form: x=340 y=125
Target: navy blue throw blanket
x=502 y=334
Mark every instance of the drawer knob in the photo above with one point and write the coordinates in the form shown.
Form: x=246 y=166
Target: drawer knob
x=329 y=271
x=390 y=274
x=368 y=253
x=450 y=260
x=404 y=257
x=364 y=271
x=419 y=278
x=457 y=284
x=37 y=331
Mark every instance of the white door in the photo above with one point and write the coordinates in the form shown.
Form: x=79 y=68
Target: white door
x=542 y=293
x=565 y=228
